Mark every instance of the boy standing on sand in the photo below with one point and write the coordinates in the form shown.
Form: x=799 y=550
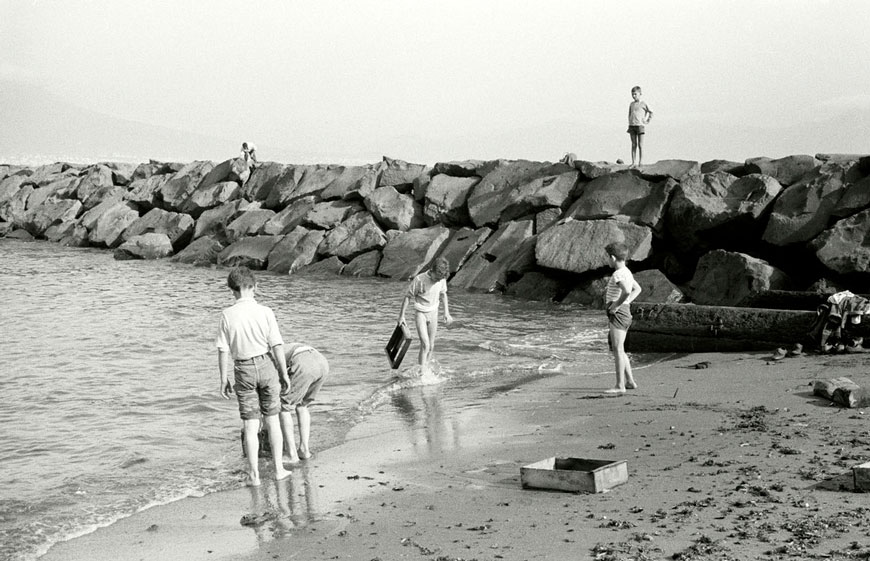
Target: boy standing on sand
x=308 y=368
x=248 y=333
x=425 y=289
x=622 y=289
x=639 y=114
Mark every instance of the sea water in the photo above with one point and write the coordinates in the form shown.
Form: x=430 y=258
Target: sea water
x=110 y=387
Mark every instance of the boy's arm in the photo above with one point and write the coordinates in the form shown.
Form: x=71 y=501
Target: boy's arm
x=649 y=112
x=403 y=308
x=447 y=316
x=629 y=293
x=226 y=386
x=281 y=360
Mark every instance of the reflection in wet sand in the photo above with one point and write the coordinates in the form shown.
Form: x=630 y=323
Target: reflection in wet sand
x=432 y=428
x=278 y=508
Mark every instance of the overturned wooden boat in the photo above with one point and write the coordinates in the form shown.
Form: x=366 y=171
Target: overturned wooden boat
x=695 y=328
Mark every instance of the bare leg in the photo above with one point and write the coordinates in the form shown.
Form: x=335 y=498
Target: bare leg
x=304 y=418
x=423 y=334
x=286 y=418
x=617 y=336
x=277 y=442
x=252 y=450
x=433 y=331
x=633 y=149
x=639 y=150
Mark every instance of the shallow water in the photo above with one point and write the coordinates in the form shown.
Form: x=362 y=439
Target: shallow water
x=110 y=384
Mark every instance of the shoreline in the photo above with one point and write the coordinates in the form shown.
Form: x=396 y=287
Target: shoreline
x=737 y=460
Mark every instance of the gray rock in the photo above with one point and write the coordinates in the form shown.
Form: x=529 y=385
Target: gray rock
x=145 y=192
x=355 y=236
x=786 y=170
x=737 y=169
x=217 y=174
x=594 y=170
x=110 y=224
x=262 y=181
x=122 y=173
x=63 y=188
x=537 y=286
x=465 y=168
x=20 y=234
x=9 y=187
x=675 y=169
x=213 y=222
x=329 y=266
x=145 y=246
x=398 y=172
x=546 y=218
x=202 y=252
x=51 y=212
x=802 y=211
x=327 y=215
x=655 y=287
x=77 y=236
x=578 y=246
x=95 y=185
x=365 y=265
x=623 y=193
x=408 y=253
x=844 y=248
x=177 y=227
x=855 y=199
x=394 y=210
x=289 y=218
x=240 y=172
x=295 y=250
x=590 y=292
x=252 y=252
x=352 y=183
x=5 y=228
x=487 y=268
x=14 y=210
x=715 y=209
x=445 y=200
x=462 y=244
x=211 y=196
x=724 y=278
x=286 y=187
x=248 y=223
x=175 y=192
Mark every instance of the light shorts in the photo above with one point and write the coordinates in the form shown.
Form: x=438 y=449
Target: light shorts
x=635 y=129
x=257 y=386
x=431 y=317
x=307 y=370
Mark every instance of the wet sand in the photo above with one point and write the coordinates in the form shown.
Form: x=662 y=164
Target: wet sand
x=735 y=461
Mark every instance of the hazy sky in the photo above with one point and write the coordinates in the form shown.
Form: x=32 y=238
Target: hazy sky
x=427 y=81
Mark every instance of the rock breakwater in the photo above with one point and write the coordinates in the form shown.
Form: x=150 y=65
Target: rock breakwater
x=711 y=233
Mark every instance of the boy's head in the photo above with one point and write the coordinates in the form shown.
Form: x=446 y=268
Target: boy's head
x=635 y=92
x=241 y=277
x=244 y=145
x=440 y=269
x=617 y=250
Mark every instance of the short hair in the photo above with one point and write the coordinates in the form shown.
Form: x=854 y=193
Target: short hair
x=241 y=277
x=244 y=144
x=618 y=250
x=441 y=268
x=636 y=89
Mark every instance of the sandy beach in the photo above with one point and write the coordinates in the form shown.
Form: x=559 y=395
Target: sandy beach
x=735 y=461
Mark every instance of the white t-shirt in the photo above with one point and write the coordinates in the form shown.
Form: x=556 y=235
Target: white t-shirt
x=614 y=288
x=247 y=329
x=426 y=291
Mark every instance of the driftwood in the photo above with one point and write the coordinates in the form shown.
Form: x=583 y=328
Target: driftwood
x=788 y=300
x=842 y=391
x=693 y=328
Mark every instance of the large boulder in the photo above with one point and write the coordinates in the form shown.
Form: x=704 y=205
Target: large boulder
x=718 y=209
x=845 y=248
x=487 y=269
x=855 y=199
x=252 y=252
x=655 y=287
x=352 y=183
x=803 y=210
x=462 y=245
x=45 y=174
x=262 y=181
x=786 y=170
x=397 y=172
x=365 y=265
x=240 y=171
x=594 y=170
x=144 y=246
x=623 y=193
x=51 y=212
x=464 y=168
x=394 y=210
x=213 y=222
x=295 y=250
x=63 y=188
x=445 y=199
x=316 y=180
x=578 y=245
x=286 y=188
x=329 y=266
x=95 y=184
x=177 y=227
x=9 y=186
x=589 y=292
x=145 y=191
x=328 y=215
x=727 y=166
x=516 y=189
x=217 y=174
x=355 y=236
x=151 y=168
x=248 y=223
x=202 y=252
x=60 y=230
x=724 y=278
x=288 y=219
x=14 y=210
x=110 y=223
x=408 y=253
x=675 y=169
x=537 y=286
x=122 y=173
x=211 y=196
x=175 y=192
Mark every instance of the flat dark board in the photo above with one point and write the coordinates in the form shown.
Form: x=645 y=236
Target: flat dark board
x=398 y=345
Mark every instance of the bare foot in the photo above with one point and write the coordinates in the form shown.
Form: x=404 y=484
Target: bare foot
x=304 y=454
x=631 y=385
x=282 y=474
x=615 y=391
x=253 y=480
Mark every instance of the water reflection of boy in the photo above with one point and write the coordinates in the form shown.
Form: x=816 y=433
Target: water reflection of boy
x=425 y=290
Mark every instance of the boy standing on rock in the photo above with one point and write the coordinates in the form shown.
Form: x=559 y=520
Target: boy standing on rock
x=639 y=114
x=248 y=333
x=622 y=289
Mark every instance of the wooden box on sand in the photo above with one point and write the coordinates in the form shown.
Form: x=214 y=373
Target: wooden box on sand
x=574 y=474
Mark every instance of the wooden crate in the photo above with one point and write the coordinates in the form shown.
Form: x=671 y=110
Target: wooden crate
x=574 y=474
x=861 y=475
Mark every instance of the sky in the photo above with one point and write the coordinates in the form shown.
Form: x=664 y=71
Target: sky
x=427 y=81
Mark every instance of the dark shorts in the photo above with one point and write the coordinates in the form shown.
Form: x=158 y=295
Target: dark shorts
x=620 y=319
x=307 y=370
x=635 y=129
x=258 y=387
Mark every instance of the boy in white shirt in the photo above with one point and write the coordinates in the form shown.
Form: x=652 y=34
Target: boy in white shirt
x=622 y=289
x=425 y=290
x=639 y=114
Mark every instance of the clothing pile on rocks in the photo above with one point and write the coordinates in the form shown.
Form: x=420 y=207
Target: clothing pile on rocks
x=833 y=330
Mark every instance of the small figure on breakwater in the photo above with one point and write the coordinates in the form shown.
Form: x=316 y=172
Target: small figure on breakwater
x=639 y=114
x=622 y=290
x=308 y=369
x=425 y=290
x=248 y=333
x=249 y=154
